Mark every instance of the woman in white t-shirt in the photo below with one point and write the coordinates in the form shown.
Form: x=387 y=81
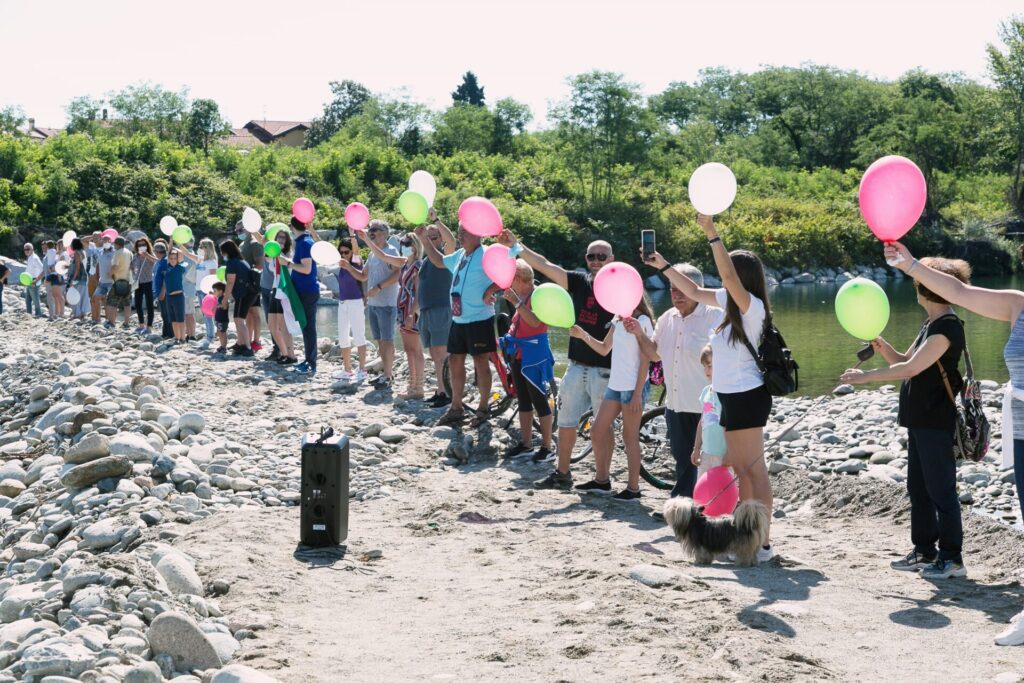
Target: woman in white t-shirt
x=746 y=403
x=207 y=266
x=627 y=392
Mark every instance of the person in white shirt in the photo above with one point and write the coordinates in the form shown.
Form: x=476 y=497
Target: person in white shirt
x=680 y=335
x=746 y=403
x=34 y=268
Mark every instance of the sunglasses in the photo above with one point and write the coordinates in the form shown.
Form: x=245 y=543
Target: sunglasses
x=345 y=252
x=406 y=243
x=597 y=257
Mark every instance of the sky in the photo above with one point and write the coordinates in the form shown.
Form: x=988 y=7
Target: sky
x=274 y=60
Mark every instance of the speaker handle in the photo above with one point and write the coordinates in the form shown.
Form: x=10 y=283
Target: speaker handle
x=325 y=433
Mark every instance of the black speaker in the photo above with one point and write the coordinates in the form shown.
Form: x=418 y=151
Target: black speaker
x=324 y=515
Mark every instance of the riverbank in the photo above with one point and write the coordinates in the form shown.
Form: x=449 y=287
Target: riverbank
x=456 y=568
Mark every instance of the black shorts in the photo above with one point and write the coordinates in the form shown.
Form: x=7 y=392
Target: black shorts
x=244 y=303
x=530 y=397
x=745 y=410
x=274 y=304
x=472 y=339
x=220 y=317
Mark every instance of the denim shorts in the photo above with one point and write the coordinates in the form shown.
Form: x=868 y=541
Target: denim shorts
x=581 y=389
x=625 y=397
x=382 y=322
x=103 y=289
x=435 y=323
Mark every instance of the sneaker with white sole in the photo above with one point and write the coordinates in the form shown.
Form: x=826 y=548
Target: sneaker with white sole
x=765 y=554
x=1014 y=633
x=360 y=376
x=342 y=374
x=944 y=569
x=914 y=561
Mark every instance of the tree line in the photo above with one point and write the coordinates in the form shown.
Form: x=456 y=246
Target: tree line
x=610 y=161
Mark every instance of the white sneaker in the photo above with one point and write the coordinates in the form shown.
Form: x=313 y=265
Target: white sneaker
x=1014 y=633
x=205 y=344
x=343 y=374
x=360 y=376
x=765 y=554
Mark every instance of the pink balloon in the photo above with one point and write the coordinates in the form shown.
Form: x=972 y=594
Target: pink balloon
x=618 y=288
x=357 y=216
x=480 y=217
x=499 y=266
x=208 y=305
x=892 y=196
x=303 y=210
x=718 y=481
x=111 y=233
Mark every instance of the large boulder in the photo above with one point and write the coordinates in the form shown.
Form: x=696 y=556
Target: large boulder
x=92 y=447
x=56 y=657
x=91 y=472
x=102 y=534
x=179 y=574
x=178 y=636
x=135 y=447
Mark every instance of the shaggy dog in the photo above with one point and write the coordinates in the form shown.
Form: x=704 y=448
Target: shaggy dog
x=739 y=534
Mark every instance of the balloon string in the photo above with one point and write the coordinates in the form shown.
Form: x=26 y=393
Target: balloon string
x=777 y=439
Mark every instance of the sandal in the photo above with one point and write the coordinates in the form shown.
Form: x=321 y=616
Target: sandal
x=479 y=418
x=450 y=418
x=410 y=395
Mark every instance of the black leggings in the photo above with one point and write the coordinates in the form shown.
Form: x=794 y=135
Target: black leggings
x=530 y=397
x=144 y=293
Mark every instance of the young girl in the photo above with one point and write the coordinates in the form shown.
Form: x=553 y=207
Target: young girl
x=351 y=311
x=627 y=392
x=527 y=345
x=207 y=266
x=709 y=449
x=275 y=311
x=746 y=403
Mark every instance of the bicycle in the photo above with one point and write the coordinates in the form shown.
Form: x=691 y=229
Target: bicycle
x=657 y=465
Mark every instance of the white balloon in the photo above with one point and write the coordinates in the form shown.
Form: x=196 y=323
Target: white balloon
x=251 y=219
x=73 y=297
x=68 y=236
x=206 y=284
x=325 y=254
x=167 y=225
x=423 y=182
x=61 y=267
x=712 y=189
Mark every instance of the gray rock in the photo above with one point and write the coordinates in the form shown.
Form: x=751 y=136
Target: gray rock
x=392 y=435
x=11 y=488
x=236 y=673
x=135 y=447
x=177 y=635
x=193 y=421
x=882 y=458
x=843 y=390
x=653 y=575
x=225 y=645
x=41 y=463
x=80 y=578
x=373 y=429
x=445 y=433
x=851 y=466
x=17 y=598
x=38 y=392
x=180 y=575
x=91 y=472
x=49 y=419
x=26 y=551
x=146 y=672
x=56 y=657
x=102 y=534
x=91 y=447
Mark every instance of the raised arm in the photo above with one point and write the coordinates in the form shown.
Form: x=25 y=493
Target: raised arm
x=723 y=262
x=998 y=304
x=681 y=282
x=359 y=274
x=429 y=250
x=551 y=271
x=450 y=243
x=393 y=261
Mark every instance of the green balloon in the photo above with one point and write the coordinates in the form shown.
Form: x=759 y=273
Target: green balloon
x=862 y=308
x=182 y=234
x=273 y=229
x=413 y=206
x=271 y=249
x=25 y=279
x=222 y=274
x=553 y=305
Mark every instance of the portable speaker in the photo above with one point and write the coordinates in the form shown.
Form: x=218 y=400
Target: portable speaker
x=324 y=515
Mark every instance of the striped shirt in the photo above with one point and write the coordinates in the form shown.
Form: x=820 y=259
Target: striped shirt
x=1013 y=355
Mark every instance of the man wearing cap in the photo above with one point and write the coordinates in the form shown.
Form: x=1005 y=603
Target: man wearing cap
x=252 y=253
x=34 y=268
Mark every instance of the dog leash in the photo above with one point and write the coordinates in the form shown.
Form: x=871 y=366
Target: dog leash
x=775 y=441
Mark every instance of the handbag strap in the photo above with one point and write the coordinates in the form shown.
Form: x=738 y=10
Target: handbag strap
x=945 y=381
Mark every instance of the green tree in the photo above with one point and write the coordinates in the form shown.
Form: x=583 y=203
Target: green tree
x=510 y=119
x=387 y=119
x=602 y=125
x=464 y=127
x=1007 y=70
x=145 y=107
x=469 y=91
x=12 y=118
x=82 y=113
x=349 y=99
x=205 y=125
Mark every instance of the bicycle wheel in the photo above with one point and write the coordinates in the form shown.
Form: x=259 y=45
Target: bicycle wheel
x=500 y=399
x=553 y=402
x=583 y=434
x=657 y=465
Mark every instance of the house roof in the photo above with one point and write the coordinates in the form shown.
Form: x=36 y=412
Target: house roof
x=241 y=137
x=270 y=130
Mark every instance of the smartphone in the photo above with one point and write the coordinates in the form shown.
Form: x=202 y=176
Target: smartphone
x=647 y=243
x=867 y=352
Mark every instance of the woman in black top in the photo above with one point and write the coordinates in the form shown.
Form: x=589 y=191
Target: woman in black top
x=930 y=418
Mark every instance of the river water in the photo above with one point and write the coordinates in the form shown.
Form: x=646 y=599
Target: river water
x=805 y=315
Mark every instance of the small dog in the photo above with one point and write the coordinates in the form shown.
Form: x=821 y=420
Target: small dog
x=739 y=534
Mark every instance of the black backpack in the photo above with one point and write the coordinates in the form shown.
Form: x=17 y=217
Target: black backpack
x=775 y=361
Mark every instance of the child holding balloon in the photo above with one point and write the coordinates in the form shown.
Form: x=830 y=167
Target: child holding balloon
x=627 y=392
x=709 y=449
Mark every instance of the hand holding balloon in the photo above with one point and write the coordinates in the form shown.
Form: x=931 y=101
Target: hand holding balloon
x=707 y=224
x=506 y=238
x=896 y=253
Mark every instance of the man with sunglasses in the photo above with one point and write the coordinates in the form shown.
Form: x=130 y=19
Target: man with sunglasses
x=586 y=379
x=472 y=303
x=34 y=268
x=382 y=298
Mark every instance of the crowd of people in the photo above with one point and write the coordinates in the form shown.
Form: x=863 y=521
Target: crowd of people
x=431 y=288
